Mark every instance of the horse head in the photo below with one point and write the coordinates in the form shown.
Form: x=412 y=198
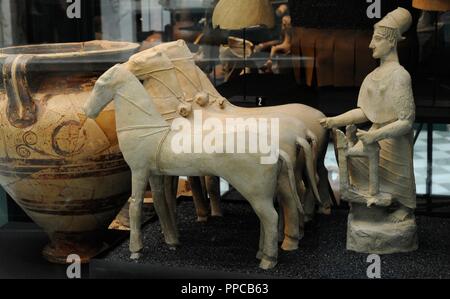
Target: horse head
x=104 y=91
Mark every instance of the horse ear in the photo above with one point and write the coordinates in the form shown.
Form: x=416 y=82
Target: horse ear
x=159 y=54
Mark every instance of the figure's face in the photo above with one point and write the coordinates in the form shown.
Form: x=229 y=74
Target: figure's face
x=380 y=45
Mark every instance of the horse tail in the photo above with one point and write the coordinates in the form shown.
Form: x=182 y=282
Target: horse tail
x=310 y=171
x=312 y=139
x=290 y=168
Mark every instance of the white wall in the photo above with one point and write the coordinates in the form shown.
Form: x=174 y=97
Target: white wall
x=154 y=17
x=6 y=35
x=118 y=20
x=12 y=22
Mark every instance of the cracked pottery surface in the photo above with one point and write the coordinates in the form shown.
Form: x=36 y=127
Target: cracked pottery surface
x=63 y=169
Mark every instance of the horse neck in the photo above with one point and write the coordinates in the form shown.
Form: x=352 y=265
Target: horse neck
x=134 y=107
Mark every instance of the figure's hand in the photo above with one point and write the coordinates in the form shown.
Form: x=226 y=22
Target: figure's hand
x=327 y=123
x=366 y=137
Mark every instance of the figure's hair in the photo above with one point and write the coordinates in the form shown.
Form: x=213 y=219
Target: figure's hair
x=390 y=34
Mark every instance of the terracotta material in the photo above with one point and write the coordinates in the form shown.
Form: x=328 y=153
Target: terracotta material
x=432 y=5
x=238 y=14
x=64 y=170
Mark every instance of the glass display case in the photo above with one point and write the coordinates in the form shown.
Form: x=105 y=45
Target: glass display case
x=64 y=178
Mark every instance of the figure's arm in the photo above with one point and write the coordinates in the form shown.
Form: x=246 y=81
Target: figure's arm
x=395 y=129
x=352 y=117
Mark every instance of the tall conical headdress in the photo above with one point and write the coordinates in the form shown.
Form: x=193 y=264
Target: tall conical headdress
x=400 y=20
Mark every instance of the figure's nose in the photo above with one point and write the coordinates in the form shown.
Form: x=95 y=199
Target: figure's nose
x=372 y=45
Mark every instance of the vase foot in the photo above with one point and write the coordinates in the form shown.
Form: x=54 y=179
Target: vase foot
x=62 y=245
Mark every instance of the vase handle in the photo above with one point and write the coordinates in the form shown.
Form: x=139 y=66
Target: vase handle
x=21 y=109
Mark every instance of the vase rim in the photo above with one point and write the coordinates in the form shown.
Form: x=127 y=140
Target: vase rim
x=56 y=50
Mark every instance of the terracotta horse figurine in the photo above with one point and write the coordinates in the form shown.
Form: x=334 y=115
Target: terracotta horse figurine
x=146 y=140
x=165 y=79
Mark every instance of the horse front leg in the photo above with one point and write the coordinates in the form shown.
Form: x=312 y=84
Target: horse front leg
x=166 y=218
x=171 y=190
x=138 y=186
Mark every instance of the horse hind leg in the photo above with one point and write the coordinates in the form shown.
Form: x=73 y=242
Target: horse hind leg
x=260 y=253
x=324 y=189
x=280 y=220
x=139 y=183
x=201 y=207
x=290 y=213
x=213 y=187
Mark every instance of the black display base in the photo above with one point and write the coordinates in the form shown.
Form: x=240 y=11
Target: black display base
x=226 y=248
x=229 y=244
x=21 y=257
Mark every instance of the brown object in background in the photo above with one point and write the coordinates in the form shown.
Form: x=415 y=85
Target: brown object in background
x=296 y=57
x=179 y=31
x=432 y=5
x=340 y=57
x=331 y=57
x=239 y=14
x=344 y=58
x=325 y=43
x=307 y=51
x=151 y=41
x=182 y=29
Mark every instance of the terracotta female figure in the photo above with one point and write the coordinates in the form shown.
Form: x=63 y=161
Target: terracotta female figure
x=380 y=160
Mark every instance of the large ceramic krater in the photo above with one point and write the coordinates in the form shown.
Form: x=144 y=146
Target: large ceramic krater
x=65 y=170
